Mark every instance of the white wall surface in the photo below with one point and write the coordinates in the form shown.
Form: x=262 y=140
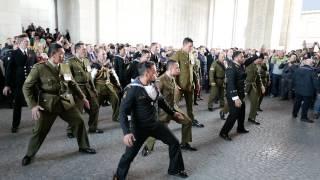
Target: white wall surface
x=10 y=21
x=40 y=12
x=215 y=23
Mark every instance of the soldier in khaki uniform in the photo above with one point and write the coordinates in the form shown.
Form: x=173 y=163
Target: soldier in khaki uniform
x=107 y=83
x=167 y=87
x=81 y=71
x=252 y=85
x=57 y=91
x=217 y=78
x=265 y=80
x=197 y=70
x=187 y=80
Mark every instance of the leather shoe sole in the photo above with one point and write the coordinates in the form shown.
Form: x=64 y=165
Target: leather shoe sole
x=96 y=131
x=188 y=147
x=26 y=160
x=253 y=121
x=197 y=124
x=180 y=174
x=225 y=137
x=88 y=151
x=243 y=131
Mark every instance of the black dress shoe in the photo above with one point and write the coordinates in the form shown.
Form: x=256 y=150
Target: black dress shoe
x=210 y=109
x=254 y=121
x=195 y=103
x=145 y=151
x=259 y=109
x=70 y=135
x=242 y=131
x=87 y=150
x=221 y=113
x=14 y=130
x=96 y=131
x=197 y=124
x=225 y=137
x=307 y=120
x=187 y=147
x=26 y=160
x=180 y=174
x=115 y=120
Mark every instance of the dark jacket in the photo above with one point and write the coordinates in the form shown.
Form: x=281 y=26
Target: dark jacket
x=236 y=77
x=305 y=81
x=120 y=68
x=132 y=71
x=288 y=71
x=141 y=107
x=18 y=68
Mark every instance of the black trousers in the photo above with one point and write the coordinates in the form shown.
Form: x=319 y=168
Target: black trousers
x=305 y=106
x=158 y=131
x=235 y=113
x=17 y=107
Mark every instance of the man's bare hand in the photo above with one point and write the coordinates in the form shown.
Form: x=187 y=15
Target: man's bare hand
x=86 y=103
x=238 y=103
x=178 y=116
x=129 y=139
x=263 y=89
x=6 y=90
x=35 y=112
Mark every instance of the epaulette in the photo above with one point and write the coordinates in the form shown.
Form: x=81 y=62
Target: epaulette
x=38 y=64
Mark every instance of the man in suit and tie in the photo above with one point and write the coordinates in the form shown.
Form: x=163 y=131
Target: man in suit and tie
x=18 y=68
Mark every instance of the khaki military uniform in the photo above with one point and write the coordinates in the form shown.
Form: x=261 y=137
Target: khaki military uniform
x=217 y=82
x=108 y=87
x=197 y=71
x=167 y=87
x=265 y=78
x=253 y=81
x=57 y=91
x=186 y=80
x=81 y=71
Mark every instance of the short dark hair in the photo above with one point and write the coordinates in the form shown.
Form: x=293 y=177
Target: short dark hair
x=170 y=63
x=144 y=66
x=78 y=45
x=236 y=53
x=187 y=40
x=153 y=44
x=121 y=46
x=144 y=51
x=53 y=48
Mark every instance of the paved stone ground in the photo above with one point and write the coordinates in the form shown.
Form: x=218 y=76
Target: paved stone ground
x=280 y=148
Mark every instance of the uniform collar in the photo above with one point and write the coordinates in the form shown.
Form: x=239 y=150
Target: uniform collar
x=52 y=63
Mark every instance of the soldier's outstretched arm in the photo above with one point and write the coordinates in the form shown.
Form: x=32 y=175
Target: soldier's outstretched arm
x=76 y=90
x=165 y=106
x=28 y=87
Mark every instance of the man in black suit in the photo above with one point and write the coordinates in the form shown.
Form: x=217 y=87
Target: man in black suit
x=18 y=68
x=235 y=93
x=120 y=66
